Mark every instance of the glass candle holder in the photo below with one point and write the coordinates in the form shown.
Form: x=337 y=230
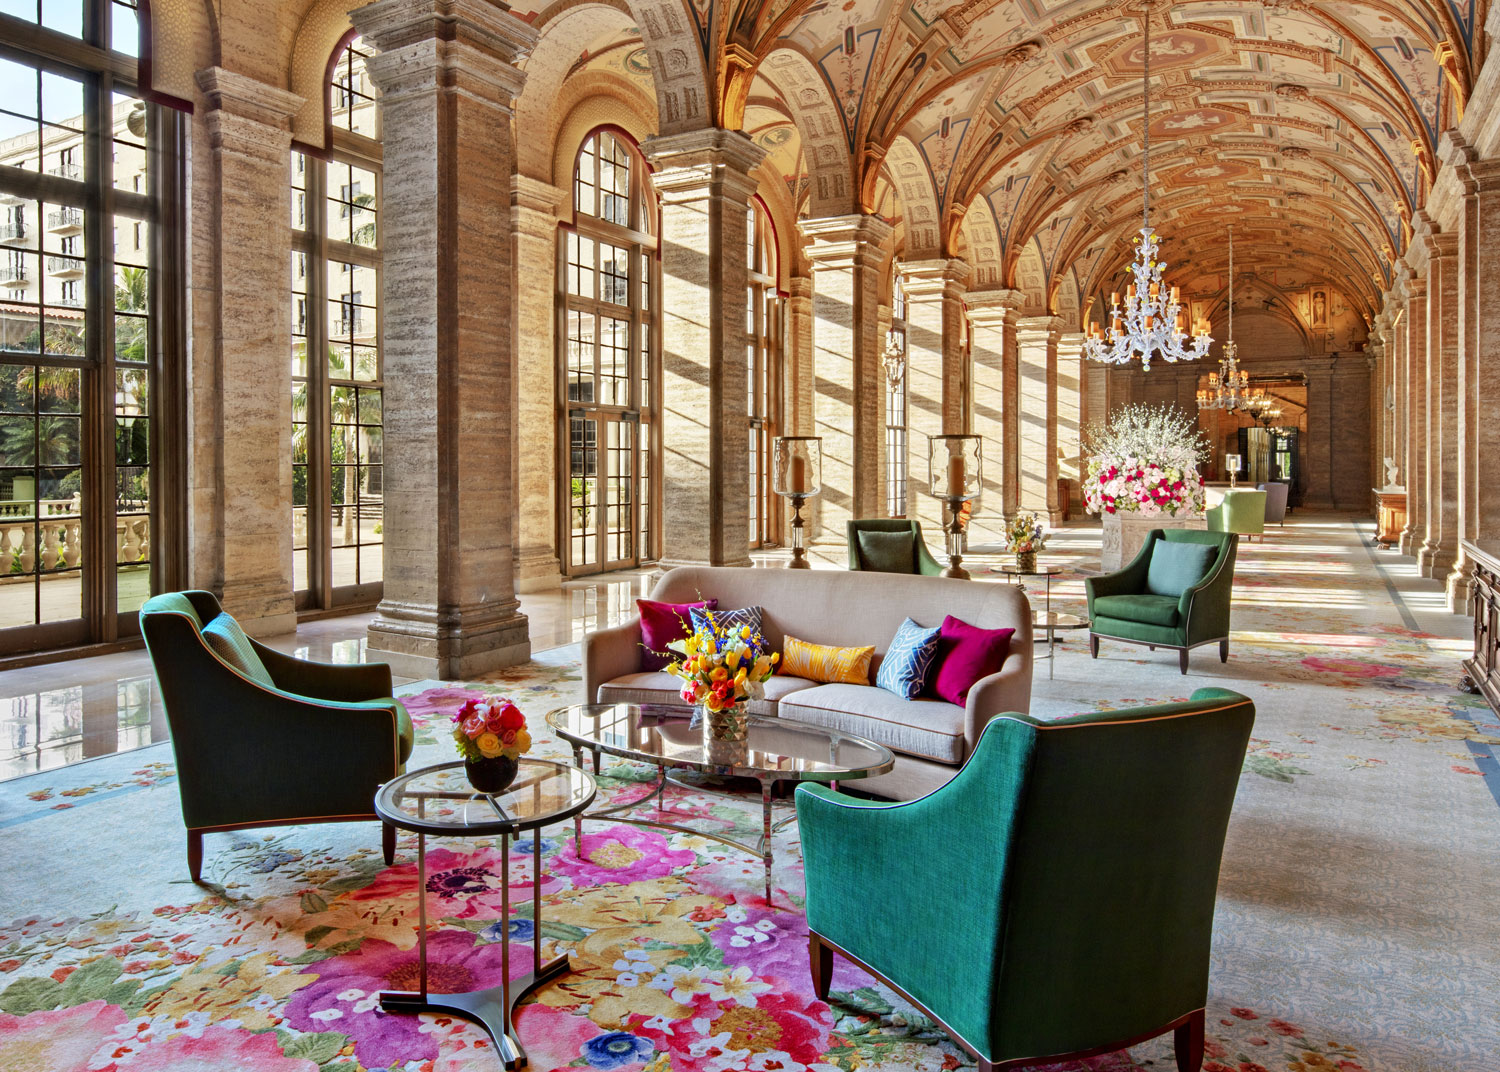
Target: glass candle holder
x=797 y=465
x=955 y=466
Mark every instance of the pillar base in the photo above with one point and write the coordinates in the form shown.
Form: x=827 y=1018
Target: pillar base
x=538 y=571
x=263 y=608
x=452 y=644
x=1411 y=544
x=1435 y=562
x=1459 y=585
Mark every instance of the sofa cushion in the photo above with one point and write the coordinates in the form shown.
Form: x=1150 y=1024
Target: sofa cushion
x=819 y=662
x=930 y=728
x=965 y=654
x=729 y=621
x=662 y=623
x=660 y=687
x=1176 y=567
x=1152 y=610
x=228 y=641
x=888 y=552
x=908 y=660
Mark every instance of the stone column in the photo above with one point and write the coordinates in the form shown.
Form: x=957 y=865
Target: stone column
x=241 y=387
x=1440 y=543
x=703 y=180
x=1037 y=339
x=1415 y=336
x=1318 y=449
x=447 y=79
x=1399 y=381
x=535 y=208
x=1070 y=405
x=995 y=402
x=934 y=375
x=849 y=398
x=798 y=412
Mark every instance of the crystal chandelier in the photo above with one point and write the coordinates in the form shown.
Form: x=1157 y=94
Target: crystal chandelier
x=1229 y=388
x=1151 y=322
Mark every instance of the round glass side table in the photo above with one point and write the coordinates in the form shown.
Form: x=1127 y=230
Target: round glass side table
x=439 y=800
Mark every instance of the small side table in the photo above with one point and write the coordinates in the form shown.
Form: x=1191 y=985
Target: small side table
x=1015 y=572
x=439 y=800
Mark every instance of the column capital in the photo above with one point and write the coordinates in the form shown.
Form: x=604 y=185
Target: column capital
x=1035 y=329
x=535 y=195
x=423 y=45
x=993 y=307
x=923 y=279
x=248 y=116
x=841 y=241
x=690 y=166
x=1444 y=245
x=799 y=286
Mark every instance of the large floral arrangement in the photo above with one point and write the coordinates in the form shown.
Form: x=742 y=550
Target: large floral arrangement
x=1144 y=461
x=488 y=729
x=721 y=665
x=1025 y=532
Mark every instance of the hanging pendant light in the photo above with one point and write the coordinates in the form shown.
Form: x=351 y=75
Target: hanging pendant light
x=1229 y=388
x=1151 y=322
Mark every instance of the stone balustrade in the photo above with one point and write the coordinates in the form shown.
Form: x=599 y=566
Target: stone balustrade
x=55 y=540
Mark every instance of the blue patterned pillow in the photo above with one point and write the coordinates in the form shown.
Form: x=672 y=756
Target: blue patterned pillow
x=731 y=620
x=909 y=660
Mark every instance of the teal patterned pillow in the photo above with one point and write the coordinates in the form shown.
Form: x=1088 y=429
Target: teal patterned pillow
x=909 y=660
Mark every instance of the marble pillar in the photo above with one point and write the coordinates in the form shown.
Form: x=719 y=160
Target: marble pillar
x=535 y=206
x=1070 y=406
x=1037 y=339
x=849 y=395
x=1415 y=336
x=703 y=180
x=447 y=77
x=240 y=381
x=993 y=406
x=1440 y=540
x=934 y=375
x=798 y=410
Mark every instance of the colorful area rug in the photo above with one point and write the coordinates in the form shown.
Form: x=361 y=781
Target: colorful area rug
x=1355 y=932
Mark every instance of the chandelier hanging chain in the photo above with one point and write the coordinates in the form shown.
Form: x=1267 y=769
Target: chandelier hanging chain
x=1146 y=129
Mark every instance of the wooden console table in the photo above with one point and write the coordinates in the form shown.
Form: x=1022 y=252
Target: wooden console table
x=1392 y=516
x=1482 y=670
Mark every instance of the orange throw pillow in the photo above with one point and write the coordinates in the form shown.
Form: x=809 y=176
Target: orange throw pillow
x=818 y=662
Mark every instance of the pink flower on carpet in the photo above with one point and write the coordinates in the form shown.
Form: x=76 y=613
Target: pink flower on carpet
x=1456 y=769
x=783 y=1031
x=1256 y=1040
x=620 y=855
x=1213 y=1048
x=553 y=1037
x=61 y=1041
x=771 y=941
x=1281 y=1027
x=459 y=885
x=1244 y=1014
x=346 y=996
x=1351 y=667
x=218 y=1049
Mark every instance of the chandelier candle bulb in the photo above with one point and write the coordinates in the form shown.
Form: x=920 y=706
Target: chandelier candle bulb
x=1176 y=295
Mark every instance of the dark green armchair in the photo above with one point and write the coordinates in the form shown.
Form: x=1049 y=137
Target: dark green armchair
x=1077 y=917
x=1177 y=598
x=890 y=545
x=261 y=738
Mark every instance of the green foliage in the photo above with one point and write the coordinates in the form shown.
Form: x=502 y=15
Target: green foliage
x=319 y=1047
x=99 y=980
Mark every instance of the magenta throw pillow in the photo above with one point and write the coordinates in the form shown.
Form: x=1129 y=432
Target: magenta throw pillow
x=662 y=623
x=965 y=654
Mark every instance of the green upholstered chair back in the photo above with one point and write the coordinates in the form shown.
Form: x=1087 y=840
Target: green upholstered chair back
x=1242 y=511
x=1226 y=543
x=924 y=563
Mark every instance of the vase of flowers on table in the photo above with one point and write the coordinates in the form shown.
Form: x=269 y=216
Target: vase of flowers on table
x=1144 y=460
x=491 y=736
x=1025 y=535
x=722 y=667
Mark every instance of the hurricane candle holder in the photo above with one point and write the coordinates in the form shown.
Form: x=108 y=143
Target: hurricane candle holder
x=796 y=473
x=1232 y=463
x=955 y=470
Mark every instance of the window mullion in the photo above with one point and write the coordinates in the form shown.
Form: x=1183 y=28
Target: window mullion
x=319 y=419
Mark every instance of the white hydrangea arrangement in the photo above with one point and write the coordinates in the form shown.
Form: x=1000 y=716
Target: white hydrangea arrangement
x=1144 y=460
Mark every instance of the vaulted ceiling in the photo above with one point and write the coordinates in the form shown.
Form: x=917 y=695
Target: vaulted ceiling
x=1010 y=132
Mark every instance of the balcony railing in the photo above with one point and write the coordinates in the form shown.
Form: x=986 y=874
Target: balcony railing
x=65 y=220
x=348 y=326
x=56 y=542
x=67 y=171
x=12 y=231
x=64 y=267
x=13 y=275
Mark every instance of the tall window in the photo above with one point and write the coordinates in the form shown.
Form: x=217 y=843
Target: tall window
x=895 y=404
x=338 y=489
x=609 y=360
x=82 y=302
x=763 y=313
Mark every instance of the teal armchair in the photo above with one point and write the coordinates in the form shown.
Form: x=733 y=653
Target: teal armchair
x=261 y=738
x=1177 y=599
x=1242 y=511
x=885 y=547
x=1077 y=916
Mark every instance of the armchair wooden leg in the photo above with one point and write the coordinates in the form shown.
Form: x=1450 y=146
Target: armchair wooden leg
x=195 y=854
x=1182 y=658
x=1189 y=1043
x=820 y=960
x=1224 y=650
x=388 y=843
x=1093 y=646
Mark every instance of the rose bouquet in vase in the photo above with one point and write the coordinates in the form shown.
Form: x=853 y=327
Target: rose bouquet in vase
x=1144 y=461
x=1025 y=535
x=722 y=667
x=491 y=736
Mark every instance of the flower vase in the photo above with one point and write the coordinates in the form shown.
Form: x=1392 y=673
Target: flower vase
x=726 y=724
x=492 y=775
x=1026 y=561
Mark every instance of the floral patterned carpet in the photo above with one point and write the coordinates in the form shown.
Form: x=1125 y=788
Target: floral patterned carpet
x=1356 y=926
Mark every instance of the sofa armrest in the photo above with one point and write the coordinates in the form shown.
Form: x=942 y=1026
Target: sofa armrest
x=608 y=654
x=325 y=681
x=1007 y=690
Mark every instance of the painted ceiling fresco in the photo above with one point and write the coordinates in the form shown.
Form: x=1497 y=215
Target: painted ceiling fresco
x=1013 y=129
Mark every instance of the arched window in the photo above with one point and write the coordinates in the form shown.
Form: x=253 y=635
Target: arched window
x=895 y=404
x=337 y=372
x=763 y=322
x=610 y=360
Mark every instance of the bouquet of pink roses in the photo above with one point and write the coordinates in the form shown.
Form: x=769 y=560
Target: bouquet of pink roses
x=487 y=729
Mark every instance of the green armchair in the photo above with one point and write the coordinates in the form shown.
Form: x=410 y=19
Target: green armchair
x=1077 y=919
x=261 y=738
x=1177 y=599
x=885 y=547
x=1242 y=511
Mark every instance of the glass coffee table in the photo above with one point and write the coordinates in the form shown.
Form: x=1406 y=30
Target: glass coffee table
x=439 y=800
x=775 y=750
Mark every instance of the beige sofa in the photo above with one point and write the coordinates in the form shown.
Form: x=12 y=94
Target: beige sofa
x=931 y=738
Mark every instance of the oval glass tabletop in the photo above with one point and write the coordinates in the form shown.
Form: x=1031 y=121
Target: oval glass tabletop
x=440 y=800
x=793 y=751
x=1011 y=569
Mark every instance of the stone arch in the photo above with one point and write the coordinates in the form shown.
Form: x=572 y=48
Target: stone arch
x=324 y=29
x=831 y=190
x=982 y=246
x=184 y=38
x=909 y=176
x=684 y=88
x=1030 y=278
x=592 y=112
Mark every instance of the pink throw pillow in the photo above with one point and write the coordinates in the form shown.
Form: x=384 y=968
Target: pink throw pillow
x=965 y=654
x=662 y=623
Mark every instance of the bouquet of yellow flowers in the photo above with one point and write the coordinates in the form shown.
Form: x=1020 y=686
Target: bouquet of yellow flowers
x=488 y=729
x=721 y=665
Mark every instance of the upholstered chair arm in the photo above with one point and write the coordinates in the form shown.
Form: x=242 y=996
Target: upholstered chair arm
x=608 y=654
x=325 y=681
x=1130 y=580
x=927 y=565
x=1205 y=606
